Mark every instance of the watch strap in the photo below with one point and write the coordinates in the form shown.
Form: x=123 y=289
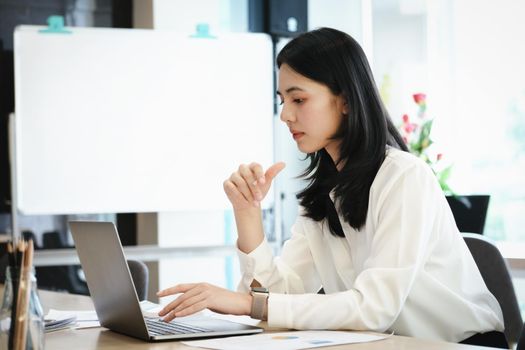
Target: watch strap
x=259 y=301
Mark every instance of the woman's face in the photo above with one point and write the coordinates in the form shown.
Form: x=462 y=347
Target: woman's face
x=311 y=112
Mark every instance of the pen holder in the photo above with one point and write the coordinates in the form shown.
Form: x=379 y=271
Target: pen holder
x=34 y=318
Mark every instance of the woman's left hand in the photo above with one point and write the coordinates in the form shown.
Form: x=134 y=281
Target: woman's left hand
x=199 y=296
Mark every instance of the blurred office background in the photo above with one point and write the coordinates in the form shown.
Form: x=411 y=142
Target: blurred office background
x=466 y=56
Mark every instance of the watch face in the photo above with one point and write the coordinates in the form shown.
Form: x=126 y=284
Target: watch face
x=259 y=290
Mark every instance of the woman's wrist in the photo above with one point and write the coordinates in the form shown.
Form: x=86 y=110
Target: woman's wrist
x=249 y=228
x=250 y=212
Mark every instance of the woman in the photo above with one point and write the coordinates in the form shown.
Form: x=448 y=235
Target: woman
x=374 y=230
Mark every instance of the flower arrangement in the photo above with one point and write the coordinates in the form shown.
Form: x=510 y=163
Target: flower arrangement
x=416 y=134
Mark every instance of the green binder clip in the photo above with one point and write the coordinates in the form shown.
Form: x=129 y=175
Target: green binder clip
x=55 y=25
x=202 y=30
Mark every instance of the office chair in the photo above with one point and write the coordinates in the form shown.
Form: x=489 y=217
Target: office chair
x=60 y=278
x=495 y=273
x=139 y=274
x=3 y=260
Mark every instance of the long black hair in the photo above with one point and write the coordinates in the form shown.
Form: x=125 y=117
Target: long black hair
x=335 y=59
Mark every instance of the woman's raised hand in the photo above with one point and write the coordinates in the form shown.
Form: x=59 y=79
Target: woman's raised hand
x=248 y=186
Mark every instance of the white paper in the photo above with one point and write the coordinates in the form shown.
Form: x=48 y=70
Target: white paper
x=286 y=340
x=85 y=319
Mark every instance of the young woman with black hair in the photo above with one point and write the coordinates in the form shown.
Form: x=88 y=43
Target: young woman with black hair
x=374 y=230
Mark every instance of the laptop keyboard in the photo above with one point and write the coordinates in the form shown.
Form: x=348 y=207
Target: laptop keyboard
x=158 y=327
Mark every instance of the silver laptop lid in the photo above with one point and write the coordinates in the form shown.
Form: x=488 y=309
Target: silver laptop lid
x=108 y=277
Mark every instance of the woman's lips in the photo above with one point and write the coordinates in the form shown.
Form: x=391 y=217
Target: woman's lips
x=297 y=135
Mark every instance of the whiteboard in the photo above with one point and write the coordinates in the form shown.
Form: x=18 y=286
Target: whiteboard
x=131 y=120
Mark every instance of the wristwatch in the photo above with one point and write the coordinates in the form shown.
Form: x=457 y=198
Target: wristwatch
x=259 y=301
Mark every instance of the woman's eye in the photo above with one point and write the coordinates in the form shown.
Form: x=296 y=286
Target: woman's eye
x=295 y=100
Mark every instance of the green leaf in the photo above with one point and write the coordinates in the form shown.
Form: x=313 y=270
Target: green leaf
x=446 y=189
x=424 y=136
x=415 y=148
x=443 y=177
x=445 y=174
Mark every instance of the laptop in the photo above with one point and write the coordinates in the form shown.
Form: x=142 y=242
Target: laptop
x=115 y=298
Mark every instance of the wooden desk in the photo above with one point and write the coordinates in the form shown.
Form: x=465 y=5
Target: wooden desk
x=101 y=338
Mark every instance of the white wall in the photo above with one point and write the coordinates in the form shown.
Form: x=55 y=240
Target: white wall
x=344 y=15
x=183 y=15
x=399 y=44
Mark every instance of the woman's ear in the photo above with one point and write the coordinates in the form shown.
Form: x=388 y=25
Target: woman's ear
x=341 y=104
x=345 y=108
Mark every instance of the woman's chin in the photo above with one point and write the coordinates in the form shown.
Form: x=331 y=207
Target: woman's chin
x=306 y=149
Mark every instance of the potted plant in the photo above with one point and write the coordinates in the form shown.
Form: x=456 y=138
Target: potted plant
x=469 y=211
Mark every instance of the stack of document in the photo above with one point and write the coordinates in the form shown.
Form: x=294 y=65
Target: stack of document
x=77 y=319
x=52 y=325
x=61 y=319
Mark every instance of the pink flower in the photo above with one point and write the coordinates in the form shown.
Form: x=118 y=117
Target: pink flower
x=420 y=98
x=416 y=135
x=410 y=127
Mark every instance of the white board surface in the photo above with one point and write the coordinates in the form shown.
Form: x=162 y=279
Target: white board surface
x=128 y=120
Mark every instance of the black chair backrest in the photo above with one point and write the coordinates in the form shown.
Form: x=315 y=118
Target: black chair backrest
x=140 y=276
x=495 y=273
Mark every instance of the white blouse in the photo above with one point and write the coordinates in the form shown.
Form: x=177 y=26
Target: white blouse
x=407 y=271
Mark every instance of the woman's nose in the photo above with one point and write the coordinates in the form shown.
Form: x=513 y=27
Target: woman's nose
x=287 y=114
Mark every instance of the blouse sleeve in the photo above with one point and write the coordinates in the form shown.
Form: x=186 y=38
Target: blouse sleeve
x=292 y=272
x=401 y=217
